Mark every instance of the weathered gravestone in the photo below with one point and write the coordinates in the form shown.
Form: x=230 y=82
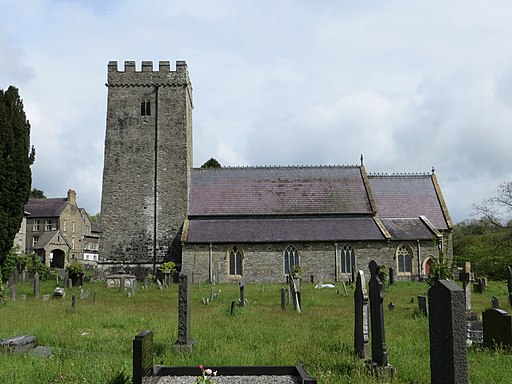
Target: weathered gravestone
x=295 y=292
x=376 y=296
x=467 y=278
x=360 y=317
x=18 y=344
x=14 y=292
x=497 y=328
x=36 y=285
x=185 y=341
x=422 y=304
x=495 y=302
x=58 y=293
x=242 y=292
x=447 y=328
x=283 y=299
x=142 y=356
x=391 y=275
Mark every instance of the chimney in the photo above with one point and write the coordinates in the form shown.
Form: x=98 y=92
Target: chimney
x=72 y=197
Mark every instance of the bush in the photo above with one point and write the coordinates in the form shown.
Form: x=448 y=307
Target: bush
x=168 y=267
x=75 y=268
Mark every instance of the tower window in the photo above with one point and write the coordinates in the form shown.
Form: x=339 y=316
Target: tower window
x=145 y=108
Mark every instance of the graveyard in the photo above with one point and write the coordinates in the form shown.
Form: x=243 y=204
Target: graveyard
x=87 y=333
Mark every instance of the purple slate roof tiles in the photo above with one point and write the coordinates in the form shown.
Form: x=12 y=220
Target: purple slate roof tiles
x=51 y=207
x=331 y=203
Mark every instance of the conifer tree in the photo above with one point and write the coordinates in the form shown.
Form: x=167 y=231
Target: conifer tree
x=16 y=157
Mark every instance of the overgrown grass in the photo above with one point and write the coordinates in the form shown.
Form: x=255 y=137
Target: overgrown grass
x=92 y=342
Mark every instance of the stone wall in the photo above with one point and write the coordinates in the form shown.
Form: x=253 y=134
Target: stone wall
x=264 y=262
x=147 y=163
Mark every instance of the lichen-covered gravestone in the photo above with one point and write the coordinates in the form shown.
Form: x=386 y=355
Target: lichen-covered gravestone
x=376 y=296
x=360 y=317
x=185 y=341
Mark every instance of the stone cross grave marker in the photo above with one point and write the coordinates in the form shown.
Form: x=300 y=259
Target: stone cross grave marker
x=360 y=317
x=376 y=297
x=497 y=328
x=467 y=278
x=447 y=328
x=185 y=341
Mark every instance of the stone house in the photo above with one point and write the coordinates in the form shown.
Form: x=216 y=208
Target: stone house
x=56 y=230
x=251 y=223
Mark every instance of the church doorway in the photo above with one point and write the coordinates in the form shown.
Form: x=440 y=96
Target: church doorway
x=57 y=257
x=426 y=266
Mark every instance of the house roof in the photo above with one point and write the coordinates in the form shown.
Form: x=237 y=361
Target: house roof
x=258 y=230
x=278 y=191
x=409 y=196
x=51 y=207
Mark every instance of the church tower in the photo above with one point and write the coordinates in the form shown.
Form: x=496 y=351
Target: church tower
x=148 y=158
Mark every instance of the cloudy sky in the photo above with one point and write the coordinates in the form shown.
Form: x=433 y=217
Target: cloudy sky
x=408 y=84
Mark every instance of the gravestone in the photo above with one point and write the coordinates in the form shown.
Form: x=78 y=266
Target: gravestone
x=185 y=341
x=134 y=287
x=58 y=293
x=122 y=284
x=376 y=297
x=360 y=317
x=283 y=299
x=467 y=278
x=447 y=328
x=73 y=301
x=391 y=275
x=142 y=356
x=242 y=292
x=422 y=304
x=509 y=284
x=14 y=292
x=495 y=302
x=36 y=285
x=18 y=344
x=294 y=294
x=497 y=328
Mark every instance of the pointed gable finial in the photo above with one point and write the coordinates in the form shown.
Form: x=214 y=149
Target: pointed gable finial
x=433 y=170
x=361 y=159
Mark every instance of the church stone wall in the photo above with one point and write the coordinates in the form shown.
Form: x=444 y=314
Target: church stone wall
x=147 y=163
x=264 y=262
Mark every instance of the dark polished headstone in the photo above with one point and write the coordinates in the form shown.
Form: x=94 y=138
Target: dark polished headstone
x=447 y=327
x=360 y=317
x=497 y=328
x=376 y=297
x=142 y=356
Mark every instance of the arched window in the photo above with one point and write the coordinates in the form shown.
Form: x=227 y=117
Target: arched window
x=236 y=257
x=291 y=259
x=404 y=259
x=347 y=259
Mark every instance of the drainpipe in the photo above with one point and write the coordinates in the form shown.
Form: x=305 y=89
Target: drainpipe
x=336 y=264
x=210 y=263
x=419 y=258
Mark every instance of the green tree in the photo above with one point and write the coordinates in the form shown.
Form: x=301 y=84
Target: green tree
x=16 y=157
x=212 y=163
x=37 y=194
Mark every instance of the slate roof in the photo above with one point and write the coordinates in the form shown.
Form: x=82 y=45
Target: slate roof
x=408 y=196
x=331 y=203
x=255 y=230
x=278 y=191
x=51 y=207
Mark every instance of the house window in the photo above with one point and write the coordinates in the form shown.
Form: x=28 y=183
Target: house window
x=404 y=259
x=35 y=226
x=73 y=227
x=65 y=225
x=35 y=239
x=291 y=259
x=48 y=225
x=347 y=259
x=235 y=262
x=145 y=108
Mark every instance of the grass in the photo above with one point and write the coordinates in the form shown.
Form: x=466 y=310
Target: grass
x=92 y=342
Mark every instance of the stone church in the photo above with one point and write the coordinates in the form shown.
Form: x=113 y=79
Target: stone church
x=252 y=223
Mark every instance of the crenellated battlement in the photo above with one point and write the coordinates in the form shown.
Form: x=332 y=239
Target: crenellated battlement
x=147 y=75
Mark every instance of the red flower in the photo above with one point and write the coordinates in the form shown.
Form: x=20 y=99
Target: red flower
x=201 y=367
